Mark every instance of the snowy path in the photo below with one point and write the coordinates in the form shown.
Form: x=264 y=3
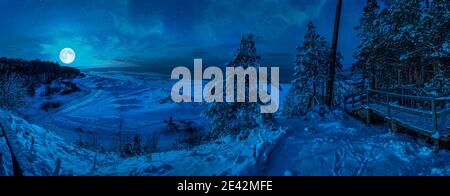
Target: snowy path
x=304 y=151
x=47 y=119
x=77 y=105
x=348 y=147
x=71 y=105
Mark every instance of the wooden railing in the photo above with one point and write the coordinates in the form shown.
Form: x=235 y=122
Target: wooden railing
x=434 y=108
x=353 y=100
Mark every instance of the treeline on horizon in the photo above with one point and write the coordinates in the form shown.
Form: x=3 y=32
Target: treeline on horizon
x=35 y=72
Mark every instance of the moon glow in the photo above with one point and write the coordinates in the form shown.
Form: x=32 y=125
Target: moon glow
x=67 y=55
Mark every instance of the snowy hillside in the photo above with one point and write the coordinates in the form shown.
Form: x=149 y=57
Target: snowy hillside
x=40 y=149
x=228 y=157
x=324 y=143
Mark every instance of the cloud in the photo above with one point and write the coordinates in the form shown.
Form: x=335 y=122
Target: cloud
x=86 y=53
x=272 y=22
x=104 y=32
x=126 y=26
x=129 y=26
x=295 y=16
x=259 y=15
x=174 y=45
x=132 y=58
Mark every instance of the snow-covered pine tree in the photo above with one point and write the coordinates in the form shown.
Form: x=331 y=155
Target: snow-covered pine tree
x=309 y=81
x=405 y=43
x=402 y=43
x=238 y=118
x=364 y=70
x=435 y=23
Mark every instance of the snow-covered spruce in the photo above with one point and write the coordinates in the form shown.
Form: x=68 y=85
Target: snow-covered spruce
x=308 y=85
x=238 y=118
x=405 y=43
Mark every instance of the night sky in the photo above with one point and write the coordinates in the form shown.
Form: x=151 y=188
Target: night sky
x=167 y=33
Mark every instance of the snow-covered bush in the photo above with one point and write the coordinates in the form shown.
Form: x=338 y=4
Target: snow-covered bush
x=12 y=91
x=439 y=86
x=137 y=144
x=298 y=102
x=59 y=87
x=133 y=147
x=189 y=140
x=50 y=105
x=323 y=113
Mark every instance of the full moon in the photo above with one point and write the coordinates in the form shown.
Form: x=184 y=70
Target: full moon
x=67 y=55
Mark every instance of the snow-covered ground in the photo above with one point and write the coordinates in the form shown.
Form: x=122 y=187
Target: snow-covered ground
x=133 y=103
x=116 y=102
x=348 y=147
x=38 y=151
x=110 y=102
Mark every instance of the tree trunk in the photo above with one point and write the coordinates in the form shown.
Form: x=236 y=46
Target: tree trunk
x=322 y=96
x=410 y=75
x=332 y=66
x=314 y=89
x=373 y=82
x=422 y=76
x=364 y=78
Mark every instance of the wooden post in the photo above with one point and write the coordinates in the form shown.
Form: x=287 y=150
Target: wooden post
x=403 y=98
x=353 y=101
x=389 y=118
x=434 y=113
x=435 y=125
x=332 y=65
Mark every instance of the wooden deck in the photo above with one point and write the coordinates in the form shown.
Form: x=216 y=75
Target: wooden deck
x=419 y=123
x=427 y=116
